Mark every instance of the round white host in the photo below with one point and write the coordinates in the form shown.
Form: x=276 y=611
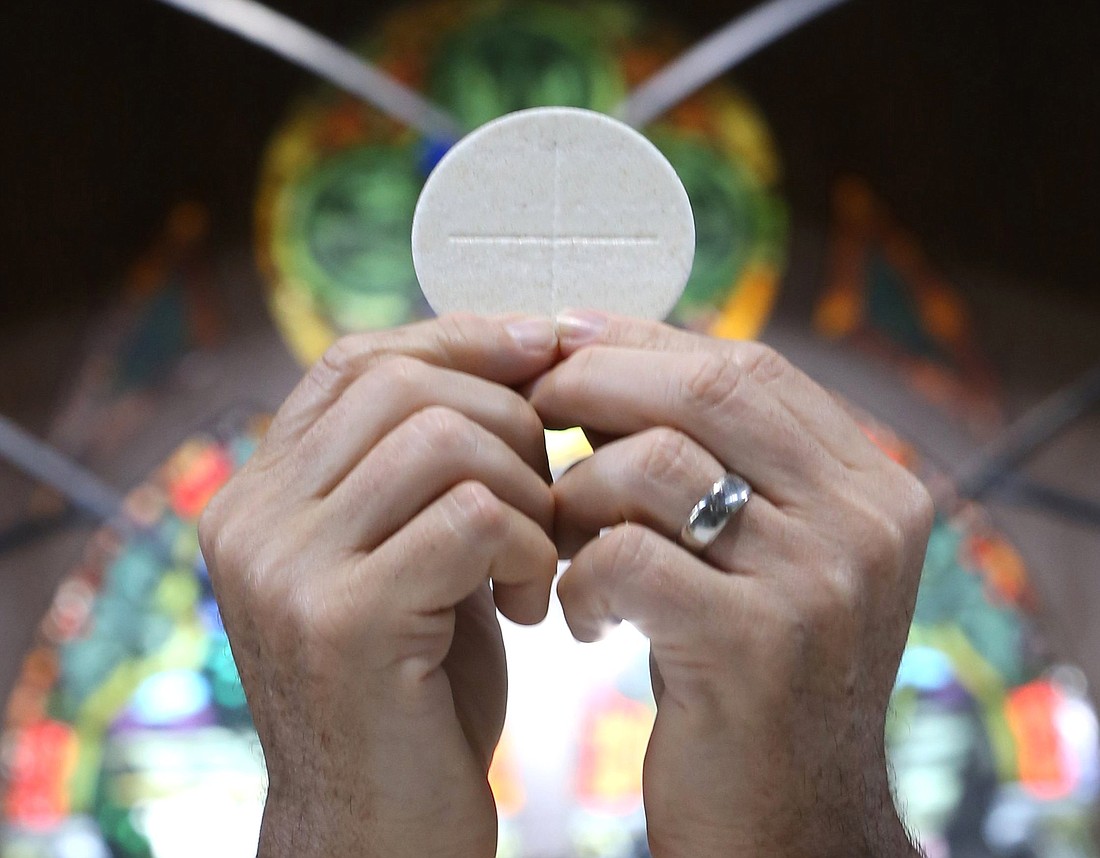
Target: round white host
x=552 y=208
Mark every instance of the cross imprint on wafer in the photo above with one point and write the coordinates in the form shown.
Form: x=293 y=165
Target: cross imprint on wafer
x=555 y=241
x=552 y=208
x=559 y=240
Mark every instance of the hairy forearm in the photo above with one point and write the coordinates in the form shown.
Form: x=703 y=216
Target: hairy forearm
x=316 y=829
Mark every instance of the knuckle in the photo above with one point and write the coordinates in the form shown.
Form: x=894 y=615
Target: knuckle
x=475 y=514
x=209 y=527
x=242 y=551
x=444 y=431
x=459 y=327
x=338 y=363
x=338 y=356
x=664 y=454
x=888 y=541
x=888 y=551
x=455 y=324
x=918 y=509
x=762 y=363
x=220 y=539
x=904 y=531
x=232 y=561
x=399 y=372
x=625 y=550
x=711 y=384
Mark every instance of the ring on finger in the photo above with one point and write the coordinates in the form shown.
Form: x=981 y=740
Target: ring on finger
x=713 y=512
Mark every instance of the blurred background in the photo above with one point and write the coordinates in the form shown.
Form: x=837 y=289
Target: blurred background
x=976 y=120
x=909 y=207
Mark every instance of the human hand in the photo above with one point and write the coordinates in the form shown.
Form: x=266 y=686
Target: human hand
x=351 y=558
x=774 y=650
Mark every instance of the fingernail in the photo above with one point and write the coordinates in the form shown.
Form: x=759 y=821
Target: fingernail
x=534 y=333
x=577 y=327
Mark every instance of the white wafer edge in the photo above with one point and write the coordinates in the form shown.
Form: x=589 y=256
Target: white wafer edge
x=551 y=208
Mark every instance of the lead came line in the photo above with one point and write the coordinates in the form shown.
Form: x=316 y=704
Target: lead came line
x=716 y=54
x=329 y=60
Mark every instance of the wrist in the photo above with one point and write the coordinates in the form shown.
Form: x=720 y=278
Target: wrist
x=867 y=827
x=311 y=827
x=893 y=843
x=320 y=827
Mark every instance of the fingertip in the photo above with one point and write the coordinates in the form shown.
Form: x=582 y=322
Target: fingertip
x=526 y=604
x=587 y=630
x=593 y=634
x=576 y=328
x=509 y=349
x=587 y=623
x=569 y=535
x=527 y=601
x=535 y=335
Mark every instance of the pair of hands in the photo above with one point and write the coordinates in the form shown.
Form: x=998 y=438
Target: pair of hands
x=352 y=558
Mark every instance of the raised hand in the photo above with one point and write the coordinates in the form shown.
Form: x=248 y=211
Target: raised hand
x=773 y=649
x=351 y=558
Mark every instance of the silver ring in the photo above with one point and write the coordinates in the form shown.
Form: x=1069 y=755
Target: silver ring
x=714 y=511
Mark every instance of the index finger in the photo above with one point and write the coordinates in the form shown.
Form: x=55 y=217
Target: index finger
x=809 y=404
x=722 y=406
x=579 y=328
x=508 y=350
